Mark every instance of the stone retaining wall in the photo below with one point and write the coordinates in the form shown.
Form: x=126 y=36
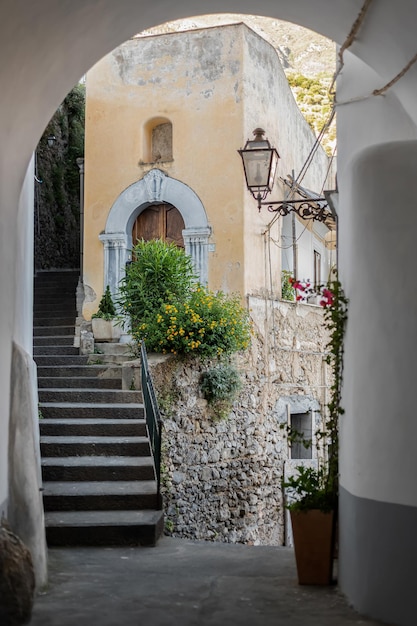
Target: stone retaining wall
x=222 y=479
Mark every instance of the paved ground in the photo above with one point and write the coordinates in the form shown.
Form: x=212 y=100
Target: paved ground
x=184 y=583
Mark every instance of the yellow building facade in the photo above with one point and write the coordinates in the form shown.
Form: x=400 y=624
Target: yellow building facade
x=165 y=116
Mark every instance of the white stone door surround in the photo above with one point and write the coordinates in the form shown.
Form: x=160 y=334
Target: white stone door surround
x=154 y=188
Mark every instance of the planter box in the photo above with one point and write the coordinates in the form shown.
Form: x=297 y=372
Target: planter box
x=105 y=330
x=313 y=533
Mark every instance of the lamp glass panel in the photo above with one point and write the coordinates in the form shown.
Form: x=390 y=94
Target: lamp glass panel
x=256 y=163
x=273 y=168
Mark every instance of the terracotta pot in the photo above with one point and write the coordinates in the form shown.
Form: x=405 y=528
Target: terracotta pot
x=313 y=533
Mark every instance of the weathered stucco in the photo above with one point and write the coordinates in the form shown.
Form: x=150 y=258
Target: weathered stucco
x=222 y=479
x=214 y=86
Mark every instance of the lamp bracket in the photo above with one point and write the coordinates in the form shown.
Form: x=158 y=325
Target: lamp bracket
x=306 y=209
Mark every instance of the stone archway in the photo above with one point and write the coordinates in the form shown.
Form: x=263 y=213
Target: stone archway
x=154 y=188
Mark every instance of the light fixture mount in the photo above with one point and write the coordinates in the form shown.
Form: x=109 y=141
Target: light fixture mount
x=260 y=162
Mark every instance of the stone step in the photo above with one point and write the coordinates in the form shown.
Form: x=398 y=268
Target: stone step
x=63 y=360
x=58 y=309
x=53 y=312
x=102 y=371
x=88 y=382
x=42 y=302
x=62 y=291
x=56 y=350
x=116 y=396
x=53 y=321
x=64 y=410
x=47 y=331
x=70 y=427
x=115 y=359
x=104 y=528
x=56 y=282
x=70 y=273
x=94 y=468
x=64 y=288
x=99 y=495
x=62 y=340
x=94 y=445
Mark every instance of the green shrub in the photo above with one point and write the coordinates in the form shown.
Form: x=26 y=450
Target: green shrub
x=159 y=272
x=220 y=386
x=220 y=383
x=106 y=309
x=287 y=290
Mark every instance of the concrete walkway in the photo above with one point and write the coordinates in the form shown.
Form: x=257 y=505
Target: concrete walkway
x=184 y=583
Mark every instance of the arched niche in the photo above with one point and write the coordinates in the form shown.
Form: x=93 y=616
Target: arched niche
x=154 y=188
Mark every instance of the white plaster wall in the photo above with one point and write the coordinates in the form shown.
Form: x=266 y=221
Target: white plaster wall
x=23 y=267
x=379 y=428
x=376 y=233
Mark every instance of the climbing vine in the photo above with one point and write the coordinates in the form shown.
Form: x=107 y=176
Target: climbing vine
x=319 y=488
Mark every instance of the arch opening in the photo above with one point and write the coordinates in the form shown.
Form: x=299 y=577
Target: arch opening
x=154 y=189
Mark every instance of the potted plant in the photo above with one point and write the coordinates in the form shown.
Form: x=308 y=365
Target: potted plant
x=105 y=323
x=313 y=508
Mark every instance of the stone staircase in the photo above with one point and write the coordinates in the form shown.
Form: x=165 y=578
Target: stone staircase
x=99 y=485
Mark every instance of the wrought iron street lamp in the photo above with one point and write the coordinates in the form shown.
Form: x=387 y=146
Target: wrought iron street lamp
x=51 y=140
x=260 y=162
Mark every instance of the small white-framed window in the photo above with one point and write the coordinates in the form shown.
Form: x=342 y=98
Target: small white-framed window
x=301 y=447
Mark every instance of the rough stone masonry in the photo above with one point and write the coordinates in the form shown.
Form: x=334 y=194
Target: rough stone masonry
x=221 y=480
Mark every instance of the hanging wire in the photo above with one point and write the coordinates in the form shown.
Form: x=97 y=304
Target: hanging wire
x=332 y=157
x=307 y=163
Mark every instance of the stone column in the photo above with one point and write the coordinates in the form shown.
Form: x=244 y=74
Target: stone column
x=196 y=246
x=115 y=257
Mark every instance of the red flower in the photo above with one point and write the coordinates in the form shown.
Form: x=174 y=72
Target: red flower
x=328 y=298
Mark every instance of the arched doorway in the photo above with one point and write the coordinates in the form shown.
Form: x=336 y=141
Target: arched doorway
x=181 y=206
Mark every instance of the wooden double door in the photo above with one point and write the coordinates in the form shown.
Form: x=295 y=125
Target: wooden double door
x=159 y=221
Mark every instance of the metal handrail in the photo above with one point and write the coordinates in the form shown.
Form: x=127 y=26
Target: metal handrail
x=152 y=415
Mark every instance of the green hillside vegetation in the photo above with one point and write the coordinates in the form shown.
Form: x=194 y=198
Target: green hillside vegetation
x=315 y=103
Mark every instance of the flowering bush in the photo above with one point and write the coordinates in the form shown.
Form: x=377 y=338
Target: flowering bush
x=173 y=313
x=305 y=290
x=319 y=489
x=206 y=323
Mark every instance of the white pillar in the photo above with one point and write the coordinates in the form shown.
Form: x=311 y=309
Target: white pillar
x=115 y=257
x=378 y=460
x=196 y=246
